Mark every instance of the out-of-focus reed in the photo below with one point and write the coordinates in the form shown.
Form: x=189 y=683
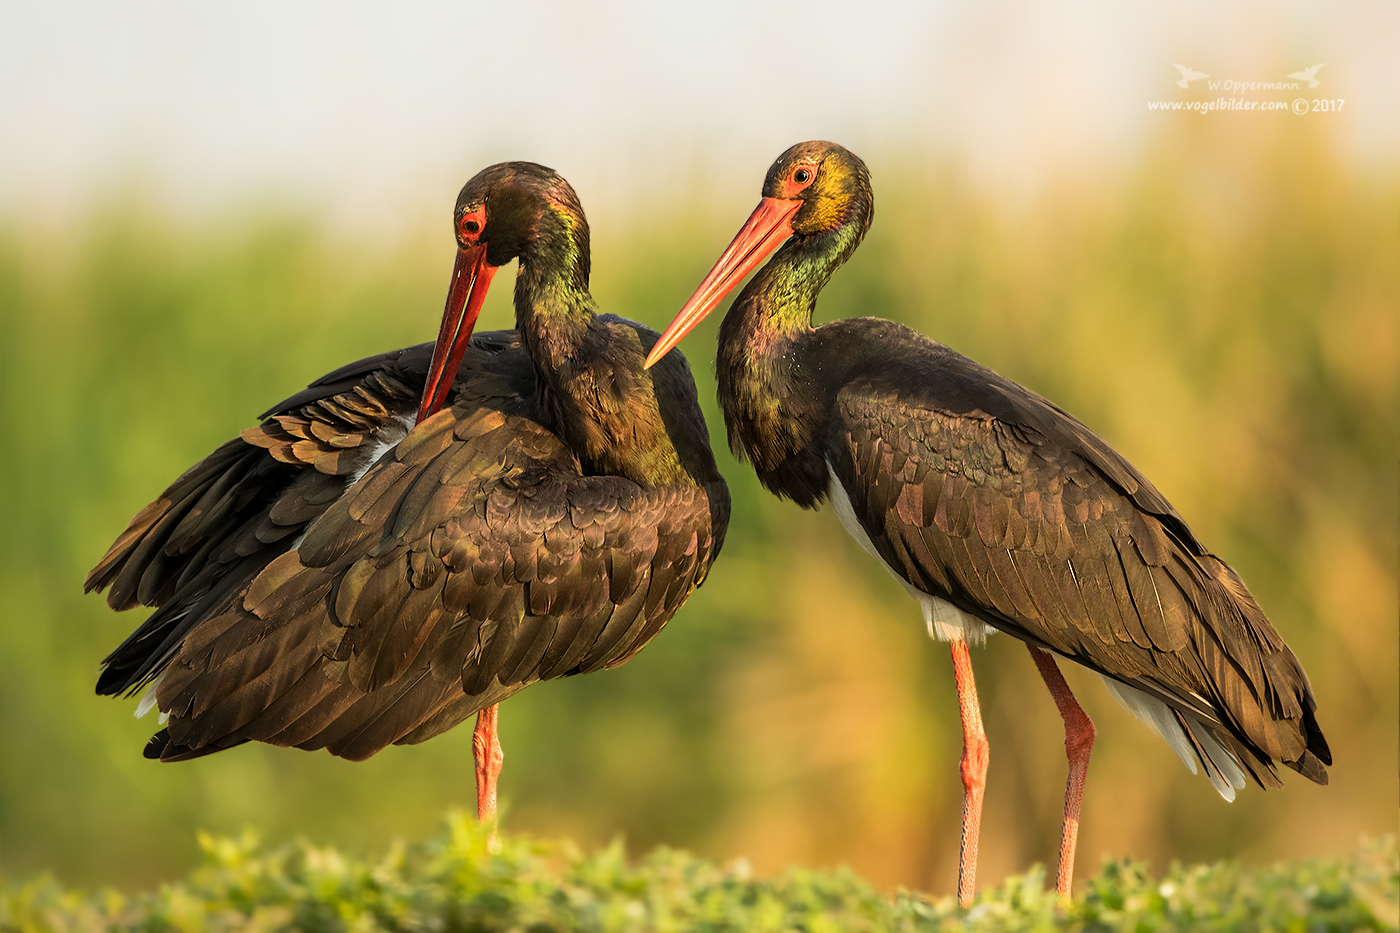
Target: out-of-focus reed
x=1225 y=314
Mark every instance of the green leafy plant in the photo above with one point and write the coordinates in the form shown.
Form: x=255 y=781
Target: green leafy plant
x=460 y=882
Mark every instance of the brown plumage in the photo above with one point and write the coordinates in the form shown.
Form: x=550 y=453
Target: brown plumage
x=339 y=578
x=993 y=507
x=976 y=490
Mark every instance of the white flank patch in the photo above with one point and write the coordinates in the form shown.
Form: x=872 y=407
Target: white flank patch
x=385 y=441
x=945 y=621
x=1231 y=772
x=148 y=699
x=1226 y=775
x=387 y=438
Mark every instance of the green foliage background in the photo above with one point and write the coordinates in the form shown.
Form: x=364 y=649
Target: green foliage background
x=1224 y=313
x=457 y=882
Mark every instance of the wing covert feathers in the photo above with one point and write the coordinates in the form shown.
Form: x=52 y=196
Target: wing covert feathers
x=333 y=580
x=1037 y=538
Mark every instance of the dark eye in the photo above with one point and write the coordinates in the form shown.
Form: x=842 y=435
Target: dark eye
x=802 y=176
x=471 y=222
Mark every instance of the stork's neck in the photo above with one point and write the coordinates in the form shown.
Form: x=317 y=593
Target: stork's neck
x=553 y=313
x=591 y=388
x=553 y=308
x=775 y=404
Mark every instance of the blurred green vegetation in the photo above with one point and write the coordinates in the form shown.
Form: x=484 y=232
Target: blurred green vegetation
x=456 y=882
x=1225 y=314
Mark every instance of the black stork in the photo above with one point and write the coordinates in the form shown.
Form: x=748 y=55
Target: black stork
x=995 y=509
x=349 y=574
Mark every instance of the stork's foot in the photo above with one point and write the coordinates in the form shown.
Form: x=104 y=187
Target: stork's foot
x=486 y=748
x=1079 y=741
x=976 y=753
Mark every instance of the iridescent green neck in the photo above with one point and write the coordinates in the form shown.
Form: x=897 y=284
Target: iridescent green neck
x=772 y=408
x=778 y=304
x=591 y=389
x=553 y=307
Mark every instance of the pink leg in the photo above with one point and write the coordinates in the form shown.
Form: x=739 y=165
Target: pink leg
x=974 y=770
x=486 y=748
x=1079 y=740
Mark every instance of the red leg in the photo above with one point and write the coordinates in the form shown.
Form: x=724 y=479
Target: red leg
x=1079 y=740
x=974 y=770
x=486 y=748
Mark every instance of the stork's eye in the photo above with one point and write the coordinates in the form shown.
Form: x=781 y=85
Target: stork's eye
x=471 y=224
x=799 y=177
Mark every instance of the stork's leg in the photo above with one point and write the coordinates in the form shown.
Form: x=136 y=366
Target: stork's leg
x=974 y=770
x=486 y=748
x=1079 y=739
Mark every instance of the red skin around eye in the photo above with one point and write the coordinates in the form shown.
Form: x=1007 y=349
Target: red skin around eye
x=791 y=186
x=478 y=217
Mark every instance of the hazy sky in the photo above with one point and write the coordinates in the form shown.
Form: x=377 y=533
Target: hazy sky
x=348 y=107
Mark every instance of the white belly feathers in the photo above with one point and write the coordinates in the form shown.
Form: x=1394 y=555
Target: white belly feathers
x=945 y=621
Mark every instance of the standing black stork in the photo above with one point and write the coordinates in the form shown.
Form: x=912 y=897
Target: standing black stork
x=347 y=575
x=996 y=510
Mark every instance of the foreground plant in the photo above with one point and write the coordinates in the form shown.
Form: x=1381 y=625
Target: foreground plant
x=455 y=882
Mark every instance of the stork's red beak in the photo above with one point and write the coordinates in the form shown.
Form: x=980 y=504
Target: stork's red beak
x=471 y=278
x=765 y=230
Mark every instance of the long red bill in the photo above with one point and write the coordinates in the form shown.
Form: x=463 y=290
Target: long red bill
x=471 y=278
x=765 y=230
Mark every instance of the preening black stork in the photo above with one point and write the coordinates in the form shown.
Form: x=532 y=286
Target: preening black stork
x=994 y=508
x=347 y=576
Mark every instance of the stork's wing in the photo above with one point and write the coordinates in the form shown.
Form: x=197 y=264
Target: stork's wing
x=470 y=563
x=1015 y=513
x=221 y=522
x=318 y=586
